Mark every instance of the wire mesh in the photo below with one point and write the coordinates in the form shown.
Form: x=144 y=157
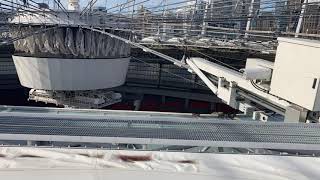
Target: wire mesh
x=217 y=130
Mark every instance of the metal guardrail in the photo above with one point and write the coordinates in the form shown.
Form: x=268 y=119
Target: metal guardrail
x=145 y=128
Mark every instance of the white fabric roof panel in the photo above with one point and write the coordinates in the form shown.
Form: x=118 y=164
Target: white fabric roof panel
x=53 y=163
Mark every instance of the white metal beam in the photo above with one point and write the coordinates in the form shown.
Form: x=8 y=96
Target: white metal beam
x=234 y=76
x=203 y=77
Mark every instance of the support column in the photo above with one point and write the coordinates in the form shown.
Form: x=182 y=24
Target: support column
x=205 y=23
x=186 y=104
x=163 y=99
x=295 y=114
x=164 y=23
x=30 y=143
x=249 y=19
x=299 y=26
x=212 y=106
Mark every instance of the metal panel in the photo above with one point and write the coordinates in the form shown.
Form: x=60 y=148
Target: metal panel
x=296 y=74
x=157 y=131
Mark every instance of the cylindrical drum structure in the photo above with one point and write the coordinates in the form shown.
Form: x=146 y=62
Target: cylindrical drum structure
x=70 y=74
x=70 y=58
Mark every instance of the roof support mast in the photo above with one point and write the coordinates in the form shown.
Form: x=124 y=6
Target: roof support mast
x=249 y=18
x=303 y=9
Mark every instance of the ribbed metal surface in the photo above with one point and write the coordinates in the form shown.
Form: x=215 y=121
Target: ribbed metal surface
x=189 y=133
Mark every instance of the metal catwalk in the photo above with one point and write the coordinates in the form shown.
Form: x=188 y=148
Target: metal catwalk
x=48 y=124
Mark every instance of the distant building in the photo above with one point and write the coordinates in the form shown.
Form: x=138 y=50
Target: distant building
x=232 y=13
x=288 y=14
x=266 y=22
x=311 y=21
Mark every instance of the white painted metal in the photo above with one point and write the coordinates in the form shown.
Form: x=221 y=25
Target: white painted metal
x=260 y=116
x=71 y=74
x=212 y=87
x=303 y=9
x=246 y=108
x=257 y=73
x=249 y=18
x=295 y=114
x=296 y=72
x=73 y=5
x=236 y=77
x=256 y=62
x=204 y=23
x=227 y=92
